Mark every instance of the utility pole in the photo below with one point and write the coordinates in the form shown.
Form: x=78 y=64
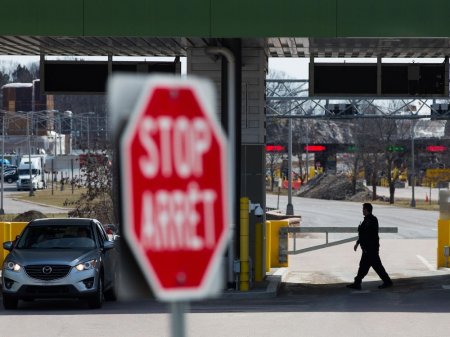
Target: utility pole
x=31 y=194
x=413 y=169
x=290 y=207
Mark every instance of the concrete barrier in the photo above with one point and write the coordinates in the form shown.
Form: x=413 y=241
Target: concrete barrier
x=443 y=228
x=275 y=226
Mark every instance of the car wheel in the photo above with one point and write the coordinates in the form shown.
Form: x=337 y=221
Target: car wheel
x=111 y=293
x=10 y=301
x=9 y=180
x=97 y=299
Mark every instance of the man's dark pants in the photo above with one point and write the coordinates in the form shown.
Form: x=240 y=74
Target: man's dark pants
x=371 y=258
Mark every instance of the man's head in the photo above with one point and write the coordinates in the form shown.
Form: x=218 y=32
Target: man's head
x=367 y=208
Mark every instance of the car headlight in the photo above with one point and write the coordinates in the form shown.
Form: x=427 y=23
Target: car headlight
x=86 y=265
x=9 y=265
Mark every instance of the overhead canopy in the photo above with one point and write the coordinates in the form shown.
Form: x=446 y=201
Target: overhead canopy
x=291 y=28
x=277 y=46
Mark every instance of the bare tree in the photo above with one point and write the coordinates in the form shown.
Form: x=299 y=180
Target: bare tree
x=273 y=159
x=387 y=130
x=367 y=150
x=355 y=167
x=378 y=141
x=96 y=177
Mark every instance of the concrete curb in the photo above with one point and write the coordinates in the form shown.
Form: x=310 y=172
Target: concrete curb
x=275 y=280
x=273 y=283
x=43 y=205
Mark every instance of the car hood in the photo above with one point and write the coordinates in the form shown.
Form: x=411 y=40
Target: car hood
x=52 y=256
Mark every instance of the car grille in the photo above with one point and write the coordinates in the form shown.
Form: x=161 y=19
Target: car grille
x=43 y=272
x=47 y=291
x=25 y=181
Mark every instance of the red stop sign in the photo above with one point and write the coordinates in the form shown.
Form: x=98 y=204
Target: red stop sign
x=174 y=188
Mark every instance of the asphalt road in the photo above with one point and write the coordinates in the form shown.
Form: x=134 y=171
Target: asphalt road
x=12 y=206
x=313 y=300
x=410 y=309
x=411 y=223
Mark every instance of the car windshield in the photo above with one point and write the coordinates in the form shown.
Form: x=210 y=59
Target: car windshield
x=24 y=172
x=56 y=237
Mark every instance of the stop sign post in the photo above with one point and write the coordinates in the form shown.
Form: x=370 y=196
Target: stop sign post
x=174 y=188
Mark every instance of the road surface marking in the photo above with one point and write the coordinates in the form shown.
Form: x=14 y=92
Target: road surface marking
x=446 y=287
x=426 y=263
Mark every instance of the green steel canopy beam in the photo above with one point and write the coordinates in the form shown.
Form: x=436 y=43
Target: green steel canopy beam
x=226 y=19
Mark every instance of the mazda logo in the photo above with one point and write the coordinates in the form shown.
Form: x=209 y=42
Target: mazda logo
x=47 y=270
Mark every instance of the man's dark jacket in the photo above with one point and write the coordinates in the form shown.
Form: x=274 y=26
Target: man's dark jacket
x=368 y=234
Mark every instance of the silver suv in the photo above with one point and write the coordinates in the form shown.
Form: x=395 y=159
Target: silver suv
x=60 y=258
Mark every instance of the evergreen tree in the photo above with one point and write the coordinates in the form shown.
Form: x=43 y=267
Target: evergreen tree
x=34 y=70
x=4 y=78
x=22 y=75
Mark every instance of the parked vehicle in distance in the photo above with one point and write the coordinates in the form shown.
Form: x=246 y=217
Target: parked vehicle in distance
x=11 y=174
x=4 y=162
x=60 y=258
x=36 y=179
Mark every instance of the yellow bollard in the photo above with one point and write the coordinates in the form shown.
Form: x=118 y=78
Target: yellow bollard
x=311 y=173
x=244 y=243
x=259 y=252
x=443 y=240
x=275 y=242
x=443 y=227
x=9 y=232
x=5 y=233
x=268 y=246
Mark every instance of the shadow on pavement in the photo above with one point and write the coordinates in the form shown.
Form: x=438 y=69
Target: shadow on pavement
x=417 y=294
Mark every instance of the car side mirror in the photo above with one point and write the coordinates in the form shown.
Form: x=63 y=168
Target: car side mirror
x=8 y=245
x=108 y=245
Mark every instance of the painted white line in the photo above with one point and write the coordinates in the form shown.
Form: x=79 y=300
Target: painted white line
x=426 y=263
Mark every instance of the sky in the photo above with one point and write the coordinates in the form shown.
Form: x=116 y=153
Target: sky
x=296 y=68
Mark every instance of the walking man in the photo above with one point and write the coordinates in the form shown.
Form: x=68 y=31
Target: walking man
x=370 y=244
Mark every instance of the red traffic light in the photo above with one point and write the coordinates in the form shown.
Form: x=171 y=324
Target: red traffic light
x=315 y=148
x=436 y=148
x=275 y=148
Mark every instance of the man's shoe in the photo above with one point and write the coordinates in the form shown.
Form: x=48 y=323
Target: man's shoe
x=355 y=286
x=386 y=285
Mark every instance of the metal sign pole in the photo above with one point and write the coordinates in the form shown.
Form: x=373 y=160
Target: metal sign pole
x=53 y=174
x=290 y=207
x=177 y=318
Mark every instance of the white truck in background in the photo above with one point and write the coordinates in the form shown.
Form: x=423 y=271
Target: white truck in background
x=37 y=179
